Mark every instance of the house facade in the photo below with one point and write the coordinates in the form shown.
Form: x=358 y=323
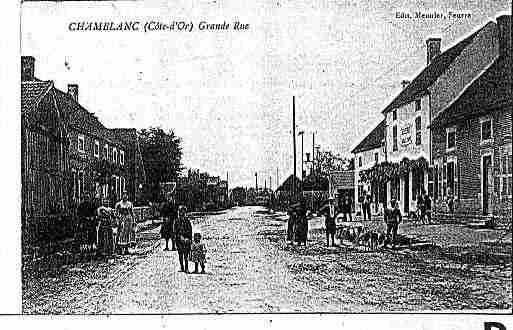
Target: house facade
x=136 y=175
x=98 y=165
x=472 y=150
x=408 y=117
x=369 y=152
x=44 y=157
x=67 y=153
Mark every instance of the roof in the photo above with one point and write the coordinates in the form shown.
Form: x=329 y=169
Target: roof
x=32 y=92
x=128 y=136
x=429 y=75
x=287 y=184
x=342 y=179
x=81 y=119
x=372 y=140
x=493 y=88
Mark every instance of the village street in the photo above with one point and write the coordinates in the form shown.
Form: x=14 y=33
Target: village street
x=251 y=269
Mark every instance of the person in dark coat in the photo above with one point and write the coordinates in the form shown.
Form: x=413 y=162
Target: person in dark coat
x=392 y=219
x=291 y=224
x=301 y=228
x=330 y=213
x=182 y=230
x=87 y=230
x=346 y=208
x=169 y=213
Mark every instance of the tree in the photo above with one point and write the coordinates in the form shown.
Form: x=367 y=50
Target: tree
x=162 y=155
x=327 y=162
x=239 y=195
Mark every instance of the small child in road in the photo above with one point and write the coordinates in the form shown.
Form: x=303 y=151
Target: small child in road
x=198 y=253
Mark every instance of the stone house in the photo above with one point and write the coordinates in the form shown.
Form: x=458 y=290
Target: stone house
x=472 y=150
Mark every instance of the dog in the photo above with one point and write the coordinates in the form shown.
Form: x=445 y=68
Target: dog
x=371 y=240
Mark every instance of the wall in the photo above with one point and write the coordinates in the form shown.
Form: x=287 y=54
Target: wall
x=406 y=115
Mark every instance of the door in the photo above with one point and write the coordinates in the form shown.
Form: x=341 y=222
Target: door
x=487 y=184
x=407 y=194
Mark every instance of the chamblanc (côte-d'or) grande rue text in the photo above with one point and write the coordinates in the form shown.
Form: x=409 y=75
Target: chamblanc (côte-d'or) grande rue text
x=155 y=25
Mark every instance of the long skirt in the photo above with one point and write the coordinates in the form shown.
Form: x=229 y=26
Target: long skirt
x=126 y=233
x=301 y=232
x=291 y=228
x=106 y=244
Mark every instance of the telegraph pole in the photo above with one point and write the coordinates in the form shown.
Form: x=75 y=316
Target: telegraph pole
x=294 y=142
x=313 y=153
x=256 y=181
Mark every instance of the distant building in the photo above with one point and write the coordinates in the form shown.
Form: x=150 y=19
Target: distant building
x=369 y=152
x=136 y=175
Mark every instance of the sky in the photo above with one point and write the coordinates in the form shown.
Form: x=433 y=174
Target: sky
x=228 y=94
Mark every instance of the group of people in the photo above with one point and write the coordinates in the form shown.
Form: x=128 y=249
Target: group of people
x=177 y=228
x=392 y=219
x=424 y=207
x=104 y=229
x=297 y=228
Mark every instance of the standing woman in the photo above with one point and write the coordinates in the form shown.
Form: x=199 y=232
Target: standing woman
x=182 y=230
x=301 y=232
x=106 y=242
x=125 y=212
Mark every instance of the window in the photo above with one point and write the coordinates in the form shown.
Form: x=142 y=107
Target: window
x=106 y=151
x=506 y=175
x=451 y=139
x=376 y=157
x=394 y=115
x=418 y=105
x=360 y=161
x=394 y=136
x=96 y=150
x=114 y=155
x=418 y=130
x=122 y=157
x=81 y=143
x=486 y=130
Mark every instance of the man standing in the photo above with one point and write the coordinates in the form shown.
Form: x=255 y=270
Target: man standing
x=330 y=213
x=392 y=219
x=169 y=213
x=366 y=206
x=183 y=238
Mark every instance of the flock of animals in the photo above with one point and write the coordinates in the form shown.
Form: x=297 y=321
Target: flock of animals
x=358 y=235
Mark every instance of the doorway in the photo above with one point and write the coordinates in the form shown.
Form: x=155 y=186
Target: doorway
x=487 y=184
x=407 y=194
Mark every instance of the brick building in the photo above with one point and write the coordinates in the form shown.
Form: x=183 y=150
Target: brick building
x=44 y=155
x=67 y=152
x=472 y=149
x=97 y=159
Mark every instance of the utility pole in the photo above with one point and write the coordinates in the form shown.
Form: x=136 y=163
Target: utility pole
x=256 y=181
x=294 y=143
x=313 y=153
x=302 y=133
x=277 y=179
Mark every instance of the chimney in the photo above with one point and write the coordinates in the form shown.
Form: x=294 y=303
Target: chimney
x=73 y=91
x=433 y=48
x=405 y=83
x=27 y=68
x=504 y=26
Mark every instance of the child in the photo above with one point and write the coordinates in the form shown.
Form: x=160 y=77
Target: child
x=198 y=253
